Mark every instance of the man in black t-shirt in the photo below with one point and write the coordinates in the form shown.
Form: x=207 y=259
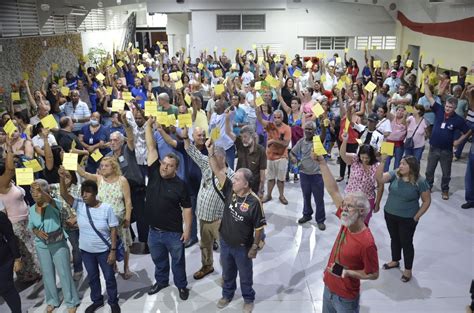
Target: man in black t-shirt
x=167 y=203
x=241 y=231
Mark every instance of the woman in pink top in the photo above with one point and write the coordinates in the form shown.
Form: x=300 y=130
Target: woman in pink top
x=397 y=136
x=362 y=178
x=416 y=129
x=17 y=210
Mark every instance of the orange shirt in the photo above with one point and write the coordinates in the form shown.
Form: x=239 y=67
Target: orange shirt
x=277 y=151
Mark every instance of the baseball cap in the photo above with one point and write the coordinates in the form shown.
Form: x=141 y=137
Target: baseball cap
x=373 y=117
x=393 y=71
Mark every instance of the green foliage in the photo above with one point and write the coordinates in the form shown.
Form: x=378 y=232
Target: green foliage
x=97 y=55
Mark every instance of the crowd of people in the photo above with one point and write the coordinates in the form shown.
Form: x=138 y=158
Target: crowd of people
x=184 y=147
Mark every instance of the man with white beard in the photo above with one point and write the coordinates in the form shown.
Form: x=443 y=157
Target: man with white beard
x=353 y=255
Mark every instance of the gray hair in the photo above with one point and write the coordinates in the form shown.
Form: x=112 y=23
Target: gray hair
x=248 y=175
x=119 y=135
x=457 y=87
x=310 y=123
x=247 y=129
x=278 y=111
x=452 y=100
x=173 y=156
x=359 y=201
x=164 y=96
x=43 y=184
x=218 y=150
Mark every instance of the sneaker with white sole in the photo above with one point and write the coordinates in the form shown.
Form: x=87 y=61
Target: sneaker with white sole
x=248 y=307
x=222 y=303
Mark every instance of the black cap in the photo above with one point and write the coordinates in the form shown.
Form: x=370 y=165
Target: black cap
x=373 y=117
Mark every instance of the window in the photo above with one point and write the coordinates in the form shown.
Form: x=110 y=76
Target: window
x=241 y=22
x=375 y=42
x=324 y=43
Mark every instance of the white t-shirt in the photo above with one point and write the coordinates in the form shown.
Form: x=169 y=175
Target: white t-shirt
x=154 y=75
x=247 y=77
x=396 y=96
x=39 y=142
x=384 y=126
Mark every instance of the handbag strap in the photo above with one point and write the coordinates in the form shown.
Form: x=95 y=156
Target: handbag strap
x=95 y=229
x=219 y=193
x=417 y=127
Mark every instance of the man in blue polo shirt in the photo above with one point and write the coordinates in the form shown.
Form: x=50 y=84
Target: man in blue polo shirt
x=139 y=93
x=442 y=139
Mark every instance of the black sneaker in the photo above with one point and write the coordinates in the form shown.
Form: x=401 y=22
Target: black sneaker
x=183 y=293
x=468 y=205
x=304 y=219
x=155 y=288
x=215 y=245
x=115 y=308
x=94 y=307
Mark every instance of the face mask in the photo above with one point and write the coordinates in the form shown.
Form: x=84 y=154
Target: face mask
x=94 y=123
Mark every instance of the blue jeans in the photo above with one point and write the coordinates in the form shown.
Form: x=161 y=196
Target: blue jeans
x=73 y=237
x=313 y=185
x=469 y=178
x=233 y=260
x=230 y=157
x=397 y=154
x=92 y=261
x=416 y=152
x=332 y=303
x=194 y=223
x=162 y=243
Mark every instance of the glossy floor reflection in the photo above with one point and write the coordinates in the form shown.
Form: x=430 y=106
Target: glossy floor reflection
x=288 y=272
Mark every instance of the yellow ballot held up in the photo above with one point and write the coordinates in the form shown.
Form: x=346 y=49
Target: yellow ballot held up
x=118 y=105
x=162 y=118
x=454 y=79
x=9 y=128
x=347 y=125
x=141 y=68
x=174 y=76
x=185 y=120
x=44 y=74
x=219 y=89
x=409 y=108
x=200 y=66
x=259 y=100
x=370 y=87
x=297 y=73
x=24 y=176
x=96 y=155
x=323 y=78
x=340 y=84
x=178 y=84
x=65 y=91
x=258 y=85
x=409 y=63
x=16 y=96
x=387 y=148
x=377 y=63
x=187 y=99
x=318 y=110
x=108 y=90
x=359 y=141
x=218 y=73
x=100 y=76
x=346 y=50
x=171 y=119
x=120 y=63
x=470 y=79
x=34 y=164
x=318 y=146
x=70 y=161
x=215 y=133
x=338 y=60
x=25 y=76
x=140 y=75
x=49 y=122
x=309 y=64
x=54 y=66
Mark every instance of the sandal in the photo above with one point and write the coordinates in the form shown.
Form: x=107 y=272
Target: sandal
x=126 y=275
x=339 y=179
x=405 y=279
x=50 y=308
x=386 y=266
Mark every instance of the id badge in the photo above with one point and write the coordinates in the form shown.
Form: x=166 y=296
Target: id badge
x=443 y=125
x=91 y=140
x=121 y=159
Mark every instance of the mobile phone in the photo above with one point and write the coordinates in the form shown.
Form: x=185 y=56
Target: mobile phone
x=337 y=269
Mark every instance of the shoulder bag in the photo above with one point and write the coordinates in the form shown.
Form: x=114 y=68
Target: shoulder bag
x=409 y=143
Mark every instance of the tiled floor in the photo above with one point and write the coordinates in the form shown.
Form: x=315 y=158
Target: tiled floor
x=288 y=272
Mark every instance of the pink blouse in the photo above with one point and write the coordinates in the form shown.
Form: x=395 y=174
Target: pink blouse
x=419 y=137
x=15 y=204
x=362 y=180
x=399 y=131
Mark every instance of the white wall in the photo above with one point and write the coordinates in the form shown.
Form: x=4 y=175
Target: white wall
x=284 y=27
x=421 y=11
x=104 y=39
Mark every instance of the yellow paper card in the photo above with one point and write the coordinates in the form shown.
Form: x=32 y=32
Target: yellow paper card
x=409 y=108
x=140 y=75
x=218 y=73
x=297 y=73
x=348 y=80
x=254 y=46
x=16 y=96
x=318 y=110
x=24 y=176
x=61 y=82
x=108 y=90
x=70 y=161
x=185 y=120
x=162 y=118
x=96 y=155
x=359 y=141
x=374 y=47
x=25 y=76
x=109 y=62
x=174 y=76
x=223 y=50
x=454 y=79
x=127 y=95
x=470 y=79
x=9 y=128
x=323 y=78
x=178 y=84
x=200 y=66
x=54 y=66
x=141 y=68
x=309 y=64
x=171 y=120
x=112 y=70
x=340 y=84
x=65 y=91
x=347 y=124
x=338 y=60
x=118 y=105
x=387 y=148
x=409 y=63
x=346 y=50
x=258 y=85
x=179 y=74
x=377 y=63
x=120 y=63
x=219 y=89
x=100 y=76
x=215 y=134
x=34 y=164
x=318 y=146
x=370 y=87
x=187 y=99
x=44 y=74
x=49 y=122
x=259 y=101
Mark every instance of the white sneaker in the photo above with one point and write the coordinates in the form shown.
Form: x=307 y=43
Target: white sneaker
x=248 y=307
x=77 y=276
x=222 y=303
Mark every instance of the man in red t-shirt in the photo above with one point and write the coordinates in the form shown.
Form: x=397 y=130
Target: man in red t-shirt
x=354 y=254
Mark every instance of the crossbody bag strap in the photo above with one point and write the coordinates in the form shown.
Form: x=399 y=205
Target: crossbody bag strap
x=95 y=229
x=219 y=193
x=413 y=135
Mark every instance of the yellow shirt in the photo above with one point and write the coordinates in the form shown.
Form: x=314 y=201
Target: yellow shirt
x=201 y=121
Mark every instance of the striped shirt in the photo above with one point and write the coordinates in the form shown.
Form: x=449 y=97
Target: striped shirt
x=80 y=112
x=209 y=204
